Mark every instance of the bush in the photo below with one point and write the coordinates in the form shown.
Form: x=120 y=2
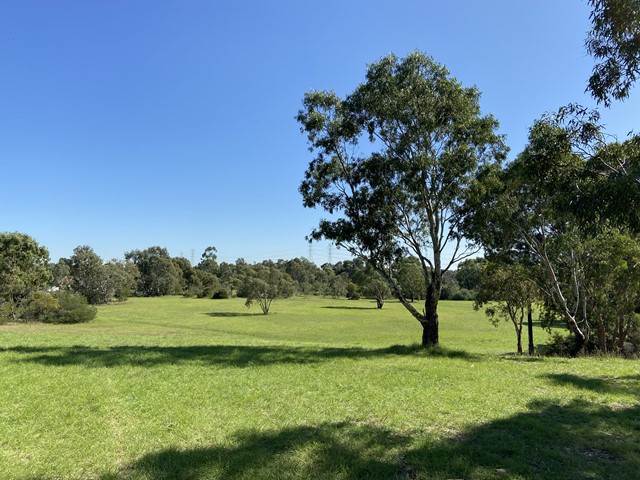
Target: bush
x=40 y=307
x=73 y=308
x=559 y=345
x=353 y=291
x=220 y=294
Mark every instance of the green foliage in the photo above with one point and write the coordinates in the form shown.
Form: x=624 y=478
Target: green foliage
x=220 y=294
x=158 y=273
x=61 y=272
x=410 y=278
x=264 y=284
x=122 y=277
x=542 y=210
x=23 y=268
x=614 y=41
x=208 y=261
x=353 y=291
x=507 y=293
x=427 y=138
x=40 y=306
x=90 y=278
x=72 y=308
x=377 y=288
x=469 y=271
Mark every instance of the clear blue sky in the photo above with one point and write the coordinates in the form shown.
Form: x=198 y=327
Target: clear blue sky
x=127 y=124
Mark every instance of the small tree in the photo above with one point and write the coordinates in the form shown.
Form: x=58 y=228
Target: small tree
x=265 y=284
x=506 y=292
x=377 y=288
x=409 y=276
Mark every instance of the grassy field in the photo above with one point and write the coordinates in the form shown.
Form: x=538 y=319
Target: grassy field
x=174 y=388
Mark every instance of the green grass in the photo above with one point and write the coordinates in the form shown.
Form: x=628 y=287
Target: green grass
x=173 y=388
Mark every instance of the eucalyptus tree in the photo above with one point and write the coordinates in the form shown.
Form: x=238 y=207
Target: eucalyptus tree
x=614 y=41
x=392 y=161
x=266 y=283
x=554 y=207
x=158 y=273
x=507 y=293
x=89 y=276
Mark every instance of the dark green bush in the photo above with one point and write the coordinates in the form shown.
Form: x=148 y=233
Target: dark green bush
x=72 y=308
x=40 y=306
x=353 y=291
x=559 y=345
x=221 y=294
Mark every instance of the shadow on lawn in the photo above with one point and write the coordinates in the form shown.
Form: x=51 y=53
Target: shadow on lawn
x=233 y=314
x=221 y=355
x=629 y=384
x=550 y=441
x=348 y=307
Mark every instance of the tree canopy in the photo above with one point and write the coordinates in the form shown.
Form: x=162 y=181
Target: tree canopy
x=614 y=41
x=392 y=162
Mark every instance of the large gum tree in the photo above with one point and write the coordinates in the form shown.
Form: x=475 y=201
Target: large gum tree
x=391 y=165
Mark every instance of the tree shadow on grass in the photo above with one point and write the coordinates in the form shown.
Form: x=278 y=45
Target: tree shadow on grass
x=629 y=384
x=348 y=307
x=234 y=314
x=549 y=441
x=239 y=356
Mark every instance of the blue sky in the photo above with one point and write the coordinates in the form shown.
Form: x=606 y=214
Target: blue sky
x=127 y=124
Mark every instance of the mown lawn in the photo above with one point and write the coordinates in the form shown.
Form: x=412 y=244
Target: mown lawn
x=173 y=388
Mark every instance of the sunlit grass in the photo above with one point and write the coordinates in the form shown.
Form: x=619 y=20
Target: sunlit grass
x=176 y=388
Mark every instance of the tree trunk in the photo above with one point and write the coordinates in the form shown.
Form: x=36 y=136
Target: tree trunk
x=428 y=320
x=430 y=331
x=530 y=329
x=430 y=323
x=519 y=335
x=602 y=335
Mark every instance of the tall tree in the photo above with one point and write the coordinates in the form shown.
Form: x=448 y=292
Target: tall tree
x=90 y=278
x=393 y=159
x=159 y=275
x=544 y=209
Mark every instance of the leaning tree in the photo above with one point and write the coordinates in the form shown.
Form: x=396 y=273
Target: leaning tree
x=392 y=162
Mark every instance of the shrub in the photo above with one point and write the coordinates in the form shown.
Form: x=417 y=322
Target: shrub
x=73 y=308
x=559 y=345
x=40 y=307
x=221 y=294
x=353 y=291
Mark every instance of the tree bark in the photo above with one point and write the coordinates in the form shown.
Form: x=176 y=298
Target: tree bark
x=429 y=320
x=602 y=335
x=530 y=329
x=430 y=323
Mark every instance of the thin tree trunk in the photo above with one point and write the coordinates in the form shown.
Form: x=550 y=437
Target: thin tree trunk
x=530 y=329
x=602 y=335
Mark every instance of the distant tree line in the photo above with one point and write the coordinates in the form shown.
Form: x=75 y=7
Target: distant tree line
x=32 y=288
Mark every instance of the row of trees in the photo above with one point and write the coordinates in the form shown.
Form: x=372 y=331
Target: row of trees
x=32 y=288
x=407 y=165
